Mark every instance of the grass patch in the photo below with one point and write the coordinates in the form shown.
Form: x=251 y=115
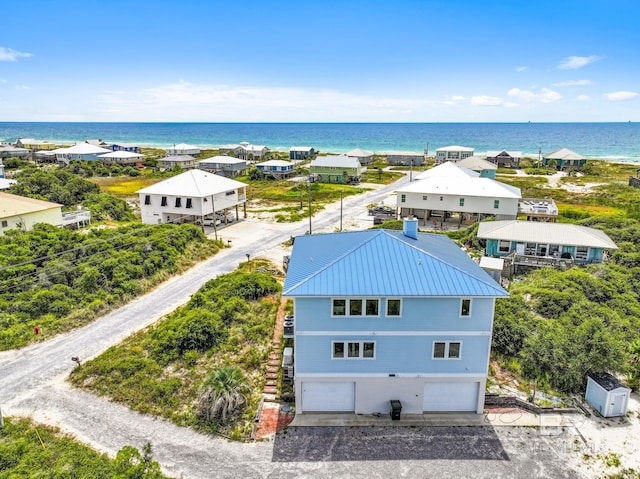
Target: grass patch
x=32 y=450
x=125 y=186
x=161 y=370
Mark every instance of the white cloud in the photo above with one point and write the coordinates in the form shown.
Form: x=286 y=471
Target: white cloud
x=184 y=101
x=545 y=95
x=573 y=83
x=522 y=69
x=583 y=98
x=23 y=87
x=485 y=100
x=458 y=98
x=10 y=55
x=621 y=95
x=574 y=62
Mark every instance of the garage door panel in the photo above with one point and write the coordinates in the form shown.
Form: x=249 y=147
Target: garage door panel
x=328 y=397
x=450 y=396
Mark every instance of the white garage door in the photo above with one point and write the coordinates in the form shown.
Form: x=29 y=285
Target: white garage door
x=450 y=396
x=333 y=397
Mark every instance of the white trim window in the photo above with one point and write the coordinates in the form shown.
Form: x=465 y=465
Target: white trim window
x=465 y=307
x=582 y=252
x=356 y=307
x=394 y=307
x=353 y=349
x=447 y=350
x=504 y=246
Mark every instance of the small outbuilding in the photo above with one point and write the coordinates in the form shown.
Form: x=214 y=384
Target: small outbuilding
x=607 y=395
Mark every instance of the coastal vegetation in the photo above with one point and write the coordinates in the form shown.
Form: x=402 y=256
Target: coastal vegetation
x=201 y=366
x=57 y=279
x=28 y=449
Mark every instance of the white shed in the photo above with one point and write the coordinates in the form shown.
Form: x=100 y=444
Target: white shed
x=607 y=395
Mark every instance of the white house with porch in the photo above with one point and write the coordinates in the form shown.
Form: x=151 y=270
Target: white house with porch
x=182 y=149
x=453 y=153
x=450 y=188
x=190 y=196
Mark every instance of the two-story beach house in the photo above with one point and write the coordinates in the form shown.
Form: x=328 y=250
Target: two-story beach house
x=504 y=158
x=227 y=166
x=182 y=149
x=299 y=153
x=336 y=169
x=365 y=157
x=276 y=168
x=389 y=315
x=453 y=153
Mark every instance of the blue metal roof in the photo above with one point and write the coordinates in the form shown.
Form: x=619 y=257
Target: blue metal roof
x=384 y=263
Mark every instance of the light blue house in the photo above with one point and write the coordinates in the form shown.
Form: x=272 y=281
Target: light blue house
x=383 y=315
x=276 y=168
x=543 y=240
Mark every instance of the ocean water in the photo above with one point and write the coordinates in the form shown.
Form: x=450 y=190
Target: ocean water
x=607 y=141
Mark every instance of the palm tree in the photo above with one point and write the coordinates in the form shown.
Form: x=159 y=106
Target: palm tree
x=223 y=395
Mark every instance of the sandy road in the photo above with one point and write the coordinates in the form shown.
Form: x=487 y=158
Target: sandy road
x=32 y=378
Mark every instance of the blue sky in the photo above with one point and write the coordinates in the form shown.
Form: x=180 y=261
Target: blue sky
x=299 y=61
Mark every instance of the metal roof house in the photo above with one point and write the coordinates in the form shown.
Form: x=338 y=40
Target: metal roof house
x=544 y=244
x=121 y=157
x=451 y=188
x=80 y=151
x=186 y=162
x=453 y=153
x=607 y=395
x=404 y=158
x=564 y=159
x=301 y=152
x=226 y=166
x=335 y=169
x=389 y=315
x=484 y=168
x=182 y=149
x=365 y=157
x=189 y=197
x=276 y=168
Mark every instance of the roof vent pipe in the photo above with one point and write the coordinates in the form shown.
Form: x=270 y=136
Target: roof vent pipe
x=410 y=227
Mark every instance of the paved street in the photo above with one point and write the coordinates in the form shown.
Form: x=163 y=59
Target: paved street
x=32 y=383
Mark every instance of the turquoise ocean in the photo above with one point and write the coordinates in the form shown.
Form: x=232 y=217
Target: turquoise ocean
x=607 y=141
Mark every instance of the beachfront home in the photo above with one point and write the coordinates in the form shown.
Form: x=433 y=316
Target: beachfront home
x=185 y=162
x=450 y=188
x=564 y=159
x=386 y=315
x=405 y=158
x=365 y=157
x=484 y=168
x=251 y=152
x=335 y=169
x=130 y=147
x=182 y=149
x=35 y=145
x=230 y=150
x=301 y=152
x=538 y=243
x=20 y=212
x=121 y=157
x=452 y=153
x=7 y=151
x=226 y=166
x=276 y=168
x=504 y=158
x=79 y=151
x=189 y=196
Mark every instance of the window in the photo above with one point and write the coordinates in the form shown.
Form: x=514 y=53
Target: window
x=355 y=307
x=465 y=307
x=503 y=246
x=424 y=198
x=189 y=203
x=147 y=199
x=582 y=252
x=496 y=204
x=353 y=350
x=403 y=198
x=178 y=202
x=372 y=307
x=163 y=202
x=461 y=201
x=446 y=349
x=339 y=307
x=442 y=198
x=393 y=307
x=5 y=223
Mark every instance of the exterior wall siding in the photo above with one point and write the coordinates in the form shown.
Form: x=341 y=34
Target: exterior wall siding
x=472 y=204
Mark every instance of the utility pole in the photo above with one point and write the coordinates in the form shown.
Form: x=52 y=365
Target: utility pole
x=340 y=210
x=309 y=195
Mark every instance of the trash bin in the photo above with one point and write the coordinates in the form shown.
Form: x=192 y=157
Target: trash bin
x=396 y=407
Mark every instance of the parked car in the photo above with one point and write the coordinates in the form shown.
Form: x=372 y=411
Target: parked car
x=382 y=210
x=209 y=222
x=229 y=217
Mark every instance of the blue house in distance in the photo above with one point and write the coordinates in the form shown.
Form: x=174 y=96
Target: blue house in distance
x=383 y=315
